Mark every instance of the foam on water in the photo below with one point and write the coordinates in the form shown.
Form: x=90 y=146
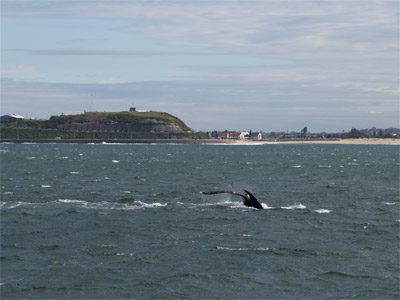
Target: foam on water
x=322 y=211
x=104 y=205
x=242 y=249
x=72 y=201
x=295 y=206
x=150 y=205
x=265 y=206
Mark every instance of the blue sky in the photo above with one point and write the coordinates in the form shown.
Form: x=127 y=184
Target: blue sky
x=238 y=65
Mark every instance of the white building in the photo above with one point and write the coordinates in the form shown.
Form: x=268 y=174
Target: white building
x=11 y=118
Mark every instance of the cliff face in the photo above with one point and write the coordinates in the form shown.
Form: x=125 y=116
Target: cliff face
x=147 y=125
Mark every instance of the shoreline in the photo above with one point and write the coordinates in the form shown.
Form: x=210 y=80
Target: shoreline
x=364 y=141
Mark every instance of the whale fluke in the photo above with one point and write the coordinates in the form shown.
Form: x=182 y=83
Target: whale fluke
x=241 y=190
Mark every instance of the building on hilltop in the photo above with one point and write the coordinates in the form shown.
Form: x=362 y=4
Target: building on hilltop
x=11 y=118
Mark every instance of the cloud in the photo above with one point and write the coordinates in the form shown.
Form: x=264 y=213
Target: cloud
x=17 y=70
x=295 y=29
x=111 y=80
x=96 y=52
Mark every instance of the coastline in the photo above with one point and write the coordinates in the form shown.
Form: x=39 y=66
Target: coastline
x=370 y=141
x=364 y=141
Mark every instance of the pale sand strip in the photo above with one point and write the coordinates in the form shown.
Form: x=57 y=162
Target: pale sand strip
x=371 y=141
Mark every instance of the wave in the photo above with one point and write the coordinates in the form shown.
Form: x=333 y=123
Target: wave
x=72 y=201
x=242 y=249
x=322 y=211
x=84 y=204
x=265 y=206
x=344 y=275
x=295 y=206
x=8 y=205
x=228 y=203
x=150 y=205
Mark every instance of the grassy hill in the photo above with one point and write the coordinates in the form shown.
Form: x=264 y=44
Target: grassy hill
x=118 y=117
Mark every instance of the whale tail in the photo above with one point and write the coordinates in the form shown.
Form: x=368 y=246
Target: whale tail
x=240 y=190
x=252 y=201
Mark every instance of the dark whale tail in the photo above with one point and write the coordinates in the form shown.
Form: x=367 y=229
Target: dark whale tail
x=240 y=190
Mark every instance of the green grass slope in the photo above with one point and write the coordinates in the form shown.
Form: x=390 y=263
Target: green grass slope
x=118 y=117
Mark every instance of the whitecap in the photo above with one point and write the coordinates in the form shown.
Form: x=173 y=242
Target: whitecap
x=390 y=203
x=115 y=161
x=8 y=193
x=72 y=201
x=242 y=249
x=20 y=203
x=226 y=248
x=126 y=192
x=46 y=186
x=322 y=211
x=150 y=205
x=74 y=173
x=109 y=246
x=30 y=157
x=294 y=206
x=325 y=166
x=125 y=254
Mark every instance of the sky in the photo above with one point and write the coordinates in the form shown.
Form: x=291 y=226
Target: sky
x=268 y=65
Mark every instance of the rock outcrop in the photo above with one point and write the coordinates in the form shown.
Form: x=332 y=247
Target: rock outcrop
x=147 y=125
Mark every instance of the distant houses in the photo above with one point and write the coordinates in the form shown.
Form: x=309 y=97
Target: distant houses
x=233 y=135
x=256 y=136
x=11 y=118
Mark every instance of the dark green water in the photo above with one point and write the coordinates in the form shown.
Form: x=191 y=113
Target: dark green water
x=129 y=222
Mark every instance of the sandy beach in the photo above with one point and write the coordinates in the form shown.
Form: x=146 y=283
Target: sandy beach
x=371 y=141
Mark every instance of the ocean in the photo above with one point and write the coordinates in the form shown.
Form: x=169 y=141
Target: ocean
x=110 y=221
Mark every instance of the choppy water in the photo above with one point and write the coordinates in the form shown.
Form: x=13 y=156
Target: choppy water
x=128 y=221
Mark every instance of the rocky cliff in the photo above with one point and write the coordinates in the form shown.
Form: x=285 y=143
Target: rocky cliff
x=147 y=125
